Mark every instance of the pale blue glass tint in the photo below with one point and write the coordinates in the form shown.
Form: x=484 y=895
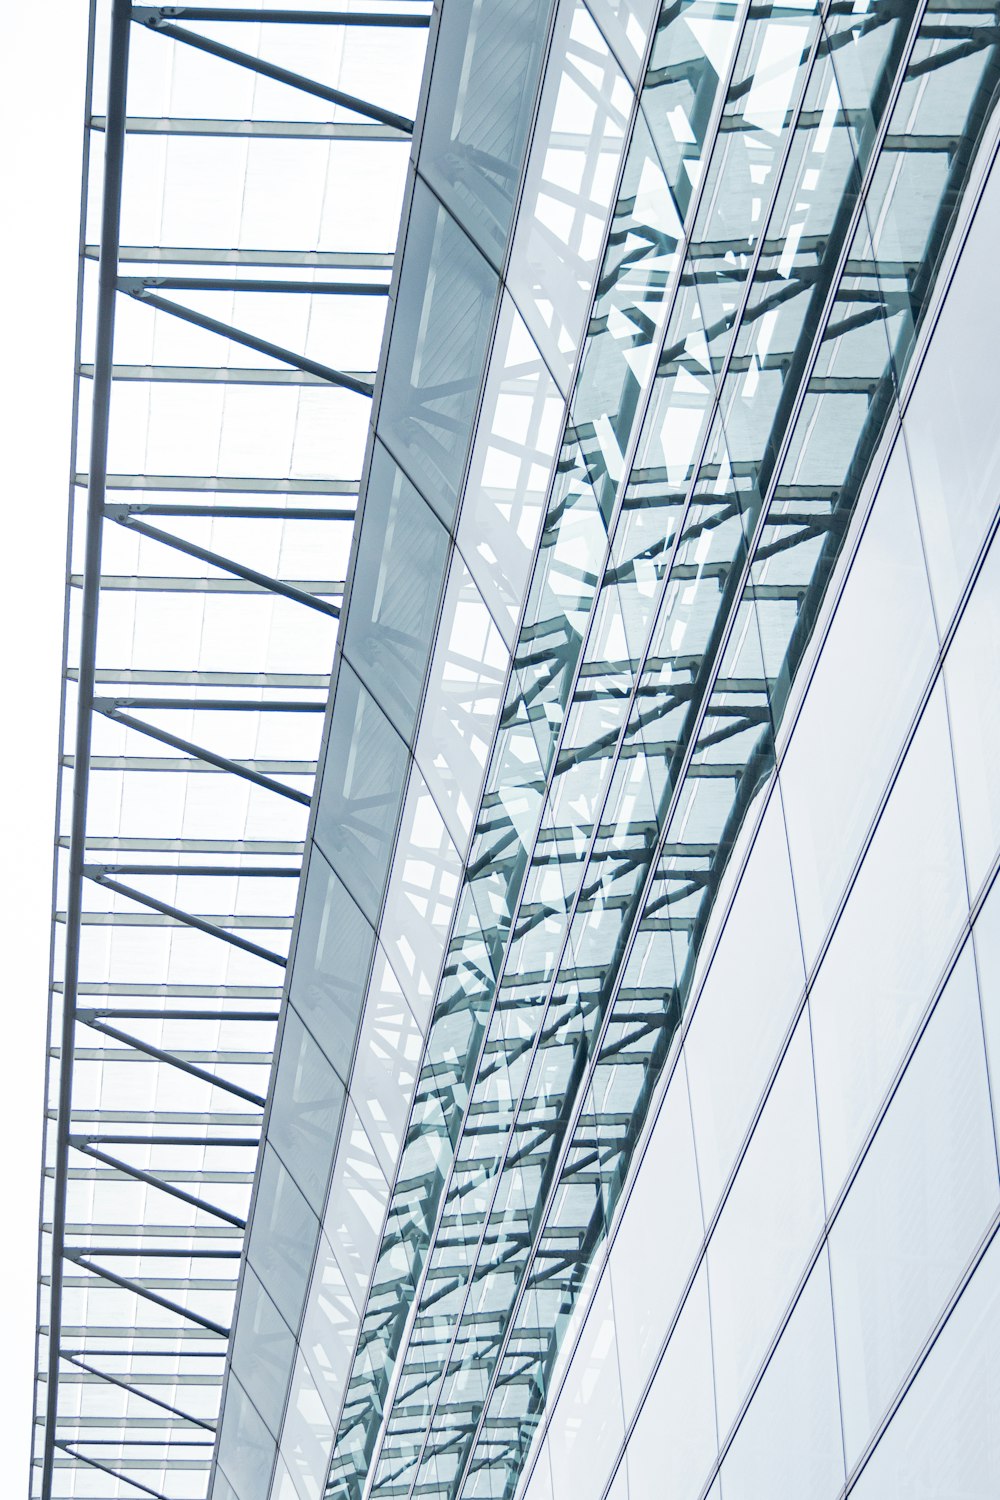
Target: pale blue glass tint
x=517 y=438
x=440 y=330
x=361 y=791
x=306 y=1105
x=307 y=1435
x=660 y=1232
x=401 y=556
x=627 y=24
x=944 y=1441
x=420 y=898
x=283 y=1234
x=356 y=1209
x=950 y=421
x=246 y=1448
x=263 y=1351
x=973 y=686
x=921 y=1201
x=329 y=1328
x=890 y=946
x=569 y=187
x=332 y=957
x=769 y=1223
x=986 y=938
x=587 y=1427
x=789 y=1442
x=675 y=1441
x=389 y=1046
x=873 y=664
x=745 y=1004
x=465 y=687
x=487 y=60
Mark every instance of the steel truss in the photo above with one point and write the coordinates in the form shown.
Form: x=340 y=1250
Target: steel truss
x=174 y=907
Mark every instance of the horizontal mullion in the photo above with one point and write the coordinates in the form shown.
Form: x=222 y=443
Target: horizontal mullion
x=211 y=255
x=356 y=380
x=281 y=130
x=225 y=484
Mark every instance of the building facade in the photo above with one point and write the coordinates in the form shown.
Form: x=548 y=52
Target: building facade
x=630 y=1126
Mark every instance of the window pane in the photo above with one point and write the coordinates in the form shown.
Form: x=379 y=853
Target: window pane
x=486 y=65
x=768 y=1225
x=950 y=421
x=745 y=1005
x=306 y=1106
x=944 y=1441
x=874 y=662
x=330 y=970
x=283 y=1233
x=402 y=549
x=360 y=792
x=660 y=1232
x=890 y=945
x=923 y=1197
x=246 y=1448
x=442 y=321
x=974 y=704
x=789 y=1442
x=587 y=1425
x=263 y=1350
x=674 y=1441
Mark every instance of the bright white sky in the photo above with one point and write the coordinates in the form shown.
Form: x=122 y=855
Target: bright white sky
x=42 y=61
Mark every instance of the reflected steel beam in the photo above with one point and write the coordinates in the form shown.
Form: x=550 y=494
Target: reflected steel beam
x=107 y=280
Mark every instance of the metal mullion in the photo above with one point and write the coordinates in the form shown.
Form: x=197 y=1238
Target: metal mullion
x=152 y=1180
x=269 y=872
x=281 y=75
x=226 y=564
x=223 y=705
x=237 y=512
x=140 y=285
x=150 y=14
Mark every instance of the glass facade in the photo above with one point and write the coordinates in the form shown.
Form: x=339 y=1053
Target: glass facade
x=630 y=1127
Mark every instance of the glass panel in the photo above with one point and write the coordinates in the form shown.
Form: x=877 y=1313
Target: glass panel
x=789 y=1442
x=587 y=1425
x=874 y=662
x=626 y=24
x=923 y=1197
x=330 y=969
x=306 y=1106
x=440 y=329
x=263 y=1351
x=974 y=706
x=675 y=1440
x=360 y=793
x=950 y=420
x=329 y=1329
x=767 y=1227
x=464 y=695
x=307 y=1436
x=569 y=186
x=486 y=65
x=890 y=945
x=283 y=1232
x=945 y=1439
x=660 y=1232
x=402 y=549
x=385 y=1066
x=520 y=424
x=246 y=1448
x=356 y=1209
x=745 y=1005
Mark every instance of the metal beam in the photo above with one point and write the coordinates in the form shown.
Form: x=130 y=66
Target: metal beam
x=152 y=15
x=188 y=919
x=250 y=341
x=283 y=75
x=141 y=1291
x=151 y=1180
x=160 y=1055
x=137 y=285
x=107 y=277
x=226 y=564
